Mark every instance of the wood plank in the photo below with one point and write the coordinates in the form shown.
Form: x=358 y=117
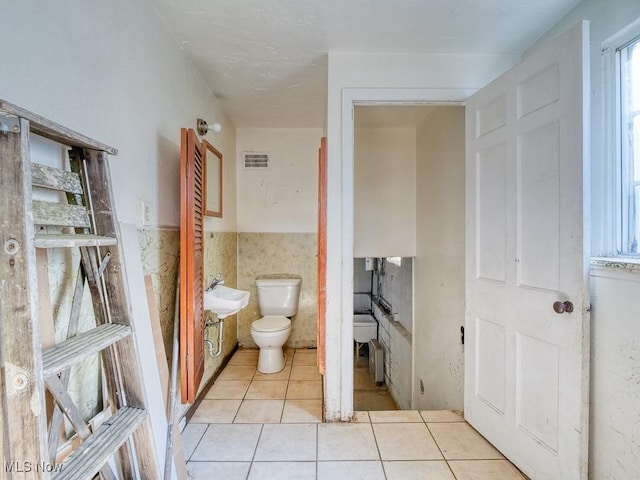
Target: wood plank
x=90 y=456
x=45 y=313
x=322 y=254
x=74 y=350
x=156 y=328
x=60 y=214
x=55 y=131
x=163 y=368
x=88 y=256
x=73 y=240
x=55 y=179
x=64 y=401
x=106 y=225
x=24 y=417
x=45 y=310
x=148 y=366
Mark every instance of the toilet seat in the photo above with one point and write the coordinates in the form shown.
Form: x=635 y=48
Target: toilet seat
x=271 y=324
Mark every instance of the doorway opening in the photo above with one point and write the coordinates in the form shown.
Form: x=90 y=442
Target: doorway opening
x=408 y=231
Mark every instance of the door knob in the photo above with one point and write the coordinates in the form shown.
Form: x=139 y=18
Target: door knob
x=562 y=307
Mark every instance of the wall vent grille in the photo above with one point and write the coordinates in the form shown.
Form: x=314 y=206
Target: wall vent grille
x=256 y=160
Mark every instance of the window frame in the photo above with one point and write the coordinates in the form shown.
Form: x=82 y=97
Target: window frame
x=616 y=163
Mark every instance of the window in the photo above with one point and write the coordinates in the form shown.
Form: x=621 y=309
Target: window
x=620 y=173
x=395 y=260
x=629 y=136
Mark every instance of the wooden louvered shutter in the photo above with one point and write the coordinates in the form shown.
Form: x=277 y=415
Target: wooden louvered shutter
x=191 y=265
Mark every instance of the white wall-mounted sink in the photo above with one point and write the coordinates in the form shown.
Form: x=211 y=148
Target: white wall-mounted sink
x=225 y=301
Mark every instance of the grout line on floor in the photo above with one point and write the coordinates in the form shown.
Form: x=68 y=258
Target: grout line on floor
x=317 y=448
x=375 y=439
x=255 y=450
x=438 y=445
x=197 y=443
x=239 y=407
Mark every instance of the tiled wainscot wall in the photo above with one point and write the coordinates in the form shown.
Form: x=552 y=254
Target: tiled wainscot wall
x=262 y=255
x=221 y=256
x=160 y=250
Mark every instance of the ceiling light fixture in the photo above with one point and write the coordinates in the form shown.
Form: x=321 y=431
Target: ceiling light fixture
x=203 y=127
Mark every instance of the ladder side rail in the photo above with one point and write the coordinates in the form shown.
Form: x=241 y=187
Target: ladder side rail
x=54 y=131
x=4 y=434
x=102 y=210
x=23 y=385
x=89 y=261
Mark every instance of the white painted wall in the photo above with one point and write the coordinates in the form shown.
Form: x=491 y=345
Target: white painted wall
x=614 y=431
x=110 y=70
x=353 y=76
x=284 y=197
x=614 y=450
x=385 y=192
x=439 y=264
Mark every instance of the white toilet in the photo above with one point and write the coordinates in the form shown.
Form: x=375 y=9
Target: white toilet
x=277 y=300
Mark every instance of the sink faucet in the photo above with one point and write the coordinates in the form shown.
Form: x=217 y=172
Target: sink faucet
x=216 y=281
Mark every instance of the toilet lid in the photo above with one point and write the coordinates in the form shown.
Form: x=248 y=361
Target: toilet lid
x=271 y=323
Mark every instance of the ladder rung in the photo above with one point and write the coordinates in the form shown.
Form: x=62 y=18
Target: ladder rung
x=55 y=179
x=76 y=349
x=92 y=454
x=73 y=240
x=60 y=214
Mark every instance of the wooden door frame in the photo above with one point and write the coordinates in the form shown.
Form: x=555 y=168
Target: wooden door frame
x=322 y=254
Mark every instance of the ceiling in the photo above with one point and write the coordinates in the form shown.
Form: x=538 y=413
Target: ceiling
x=266 y=60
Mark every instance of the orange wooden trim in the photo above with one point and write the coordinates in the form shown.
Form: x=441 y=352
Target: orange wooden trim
x=322 y=254
x=207 y=147
x=184 y=204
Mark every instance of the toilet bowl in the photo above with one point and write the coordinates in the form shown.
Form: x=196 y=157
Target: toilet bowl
x=277 y=301
x=270 y=333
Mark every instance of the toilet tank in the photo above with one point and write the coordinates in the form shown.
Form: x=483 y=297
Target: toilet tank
x=278 y=296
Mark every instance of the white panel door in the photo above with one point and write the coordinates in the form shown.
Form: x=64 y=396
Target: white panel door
x=526 y=365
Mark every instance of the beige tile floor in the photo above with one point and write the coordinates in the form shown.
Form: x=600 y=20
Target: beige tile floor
x=253 y=426
x=367 y=395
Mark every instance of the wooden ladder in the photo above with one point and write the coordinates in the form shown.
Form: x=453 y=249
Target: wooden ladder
x=84 y=219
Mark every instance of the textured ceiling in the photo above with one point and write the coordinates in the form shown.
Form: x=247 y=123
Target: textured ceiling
x=266 y=59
